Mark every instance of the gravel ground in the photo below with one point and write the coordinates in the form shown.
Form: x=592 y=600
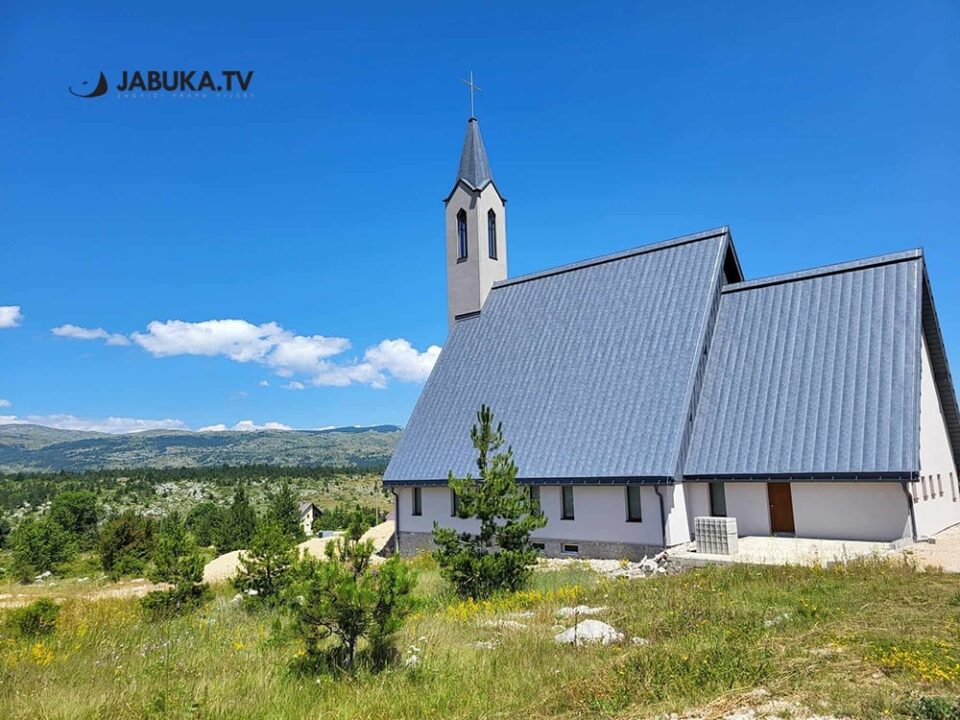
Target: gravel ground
x=944 y=553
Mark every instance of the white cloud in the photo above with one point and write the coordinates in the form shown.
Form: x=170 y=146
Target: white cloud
x=106 y=425
x=81 y=333
x=10 y=316
x=309 y=357
x=5 y=403
x=250 y=426
x=220 y=427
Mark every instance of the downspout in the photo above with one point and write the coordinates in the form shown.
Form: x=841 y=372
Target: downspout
x=396 y=521
x=663 y=517
x=913 y=516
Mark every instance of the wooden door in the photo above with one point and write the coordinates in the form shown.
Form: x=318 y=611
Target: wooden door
x=781 y=508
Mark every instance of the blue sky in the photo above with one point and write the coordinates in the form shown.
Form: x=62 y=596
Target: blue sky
x=310 y=212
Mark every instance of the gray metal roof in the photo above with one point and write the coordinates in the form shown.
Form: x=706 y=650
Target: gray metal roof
x=590 y=367
x=474 y=165
x=815 y=374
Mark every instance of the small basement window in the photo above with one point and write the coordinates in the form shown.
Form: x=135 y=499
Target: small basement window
x=417 y=502
x=570 y=549
x=538 y=546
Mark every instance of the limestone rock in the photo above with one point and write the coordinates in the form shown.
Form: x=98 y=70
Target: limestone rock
x=589 y=631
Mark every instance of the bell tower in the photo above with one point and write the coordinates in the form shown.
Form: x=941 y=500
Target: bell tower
x=476 y=230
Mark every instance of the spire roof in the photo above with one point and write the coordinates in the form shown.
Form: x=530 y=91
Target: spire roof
x=474 y=165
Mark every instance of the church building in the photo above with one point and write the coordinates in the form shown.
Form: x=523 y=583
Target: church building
x=643 y=389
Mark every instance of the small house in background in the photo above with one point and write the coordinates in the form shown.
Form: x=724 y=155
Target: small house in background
x=308 y=513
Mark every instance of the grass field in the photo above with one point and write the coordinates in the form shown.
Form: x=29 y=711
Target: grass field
x=856 y=641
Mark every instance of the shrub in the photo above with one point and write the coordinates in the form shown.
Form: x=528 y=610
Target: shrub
x=265 y=567
x=342 y=515
x=39 y=545
x=77 y=512
x=37 y=618
x=345 y=600
x=126 y=542
x=500 y=557
x=4 y=530
x=178 y=563
x=933 y=708
x=205 y=521
x=239 y=522
x=284 y=511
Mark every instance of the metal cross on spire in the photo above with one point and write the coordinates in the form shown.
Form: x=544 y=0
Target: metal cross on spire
x=473 y=87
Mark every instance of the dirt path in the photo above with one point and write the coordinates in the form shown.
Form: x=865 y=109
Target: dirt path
x=17 y=596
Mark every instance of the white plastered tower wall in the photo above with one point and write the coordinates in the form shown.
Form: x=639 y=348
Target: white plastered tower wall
x=470 y=279
x=936 y=494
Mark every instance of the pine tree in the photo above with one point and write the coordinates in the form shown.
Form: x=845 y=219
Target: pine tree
x=176 y=562
x=500 y=557
x=239 y=522
x=284 y=510
x=265 y=566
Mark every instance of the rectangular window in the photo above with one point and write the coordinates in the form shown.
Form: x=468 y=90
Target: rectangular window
x=492 y=235
x=538 y=546
x=953 y=488
x=718 y=500
x=633 y=504
x=454 y=503
x=461 y=235
x=567 y=510
x=417 y=502
x=570 y=549
x=940 y=484
x=923 y=486
x=913 y=487
x=534 y=491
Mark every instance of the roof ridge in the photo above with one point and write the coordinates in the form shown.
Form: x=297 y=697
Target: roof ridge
x=820 y=271
x=612 y=257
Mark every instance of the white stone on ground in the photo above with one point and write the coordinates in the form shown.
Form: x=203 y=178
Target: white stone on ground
x=589 y=631
x=503 y=624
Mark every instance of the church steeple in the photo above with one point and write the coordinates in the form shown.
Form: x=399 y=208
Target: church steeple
x=476 y=237
x=474 y=165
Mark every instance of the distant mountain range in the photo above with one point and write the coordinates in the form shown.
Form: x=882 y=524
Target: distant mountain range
x=36 y=447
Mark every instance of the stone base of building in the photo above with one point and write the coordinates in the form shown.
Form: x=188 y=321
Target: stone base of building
x=413 y=542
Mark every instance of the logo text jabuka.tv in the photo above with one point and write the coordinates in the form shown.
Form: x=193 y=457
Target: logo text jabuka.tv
x=171 y=81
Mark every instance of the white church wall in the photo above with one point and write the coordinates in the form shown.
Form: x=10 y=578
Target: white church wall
x=491 y=270
x=675 y=507
x=937 y=504
x=435 y=504
x=600 y=515
x=850 y=510
x=697 y=501
x=747 y=502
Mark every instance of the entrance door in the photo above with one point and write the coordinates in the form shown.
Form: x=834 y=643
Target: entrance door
x=781 y=508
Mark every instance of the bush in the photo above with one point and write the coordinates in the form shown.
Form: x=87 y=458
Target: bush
x=126 y=542
x=178 y=563
x=205 y=521
x=342 y=516
x=77 y=512
x=933 y=708
x=345 y=600
x=37 y=618
x=284 y=510
x=239 y=522
x=39 y=545
x=265 y=567
x=500 y=557
x=4 y=530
